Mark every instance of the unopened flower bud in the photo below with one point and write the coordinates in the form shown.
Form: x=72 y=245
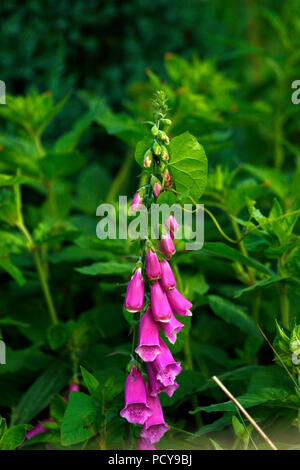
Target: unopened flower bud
x=167 y=176
x=148 y=159
x=166 y=122
x=164 y=154
x=154 y=130
x=156 y=148
x=156 y=185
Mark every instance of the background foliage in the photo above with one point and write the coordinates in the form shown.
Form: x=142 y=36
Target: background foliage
x=80 y=77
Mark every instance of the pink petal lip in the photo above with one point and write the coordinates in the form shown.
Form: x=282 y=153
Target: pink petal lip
x=148 y=353
x=155 y=432
x=136 y=413
x=167 y=375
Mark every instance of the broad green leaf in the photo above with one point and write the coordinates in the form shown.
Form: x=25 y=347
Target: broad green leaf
x=37 y=397
x=188 y=165
x=225 y=251
x=106 y=269
x=14 y=437
x=8 y=180
x=79 y=422
x=57 y=165
x=247 y=401
x=233 y=314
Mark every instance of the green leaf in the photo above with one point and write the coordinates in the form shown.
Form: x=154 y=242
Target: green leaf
x=276 y=179
x=79 y=419
x=90 y=380
x=37 y=397
x=8 y=180
x=260 y=285
x=247 y=401
x=14 y=437
x=58 y=407
x=239 y=429
x=106 y=269
x=216 y=445
x=224 y=251
x=188 y=165
x=57 y=165
x=233 y=314
x=11 y=269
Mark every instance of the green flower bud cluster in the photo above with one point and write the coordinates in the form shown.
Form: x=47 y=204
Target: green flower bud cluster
x=158 y=152
x=288 y=349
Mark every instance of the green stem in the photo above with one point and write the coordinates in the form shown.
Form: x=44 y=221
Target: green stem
x=40 y=271
x=285 y=306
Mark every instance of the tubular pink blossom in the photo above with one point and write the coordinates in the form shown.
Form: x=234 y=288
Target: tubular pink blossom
x=160 y=307
x=165 y=366
x=167 y=277
x=167 y=245
x=156 y=189
x=171 y=328
x=148 y=347
x=38 y=429
x=134 y=299
x=155 y=426
x=179 y=304
x=153 y=270
x=136 y=410
x=136 y=203
x=156 y=386
x=144 y=444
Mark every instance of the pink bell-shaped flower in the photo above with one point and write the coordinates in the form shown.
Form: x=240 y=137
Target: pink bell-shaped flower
x=165 y=366
x=144 y=444
x=136 y=203
x=160 y=307
x=148 y=347
x=178 y=303
x=153 y=269
x=155 y=426
x=134 y=299
x=167 y=277
x=171 y=328
x=136 y=409
x=156 y=386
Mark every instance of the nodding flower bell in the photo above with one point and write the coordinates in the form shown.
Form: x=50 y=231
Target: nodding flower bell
x=167 y=277
x=155 y=426
x=178 y=303
x=74 y=387
x=160 y=307
x=171 y=328
x=144 y=444
x=165 y=366
x=167 y=245
x=155 y=385
x=136 y=409
x=148 y=159
x=153 y=269
x=134 y=299
x=156 y=185
x=148 y=347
